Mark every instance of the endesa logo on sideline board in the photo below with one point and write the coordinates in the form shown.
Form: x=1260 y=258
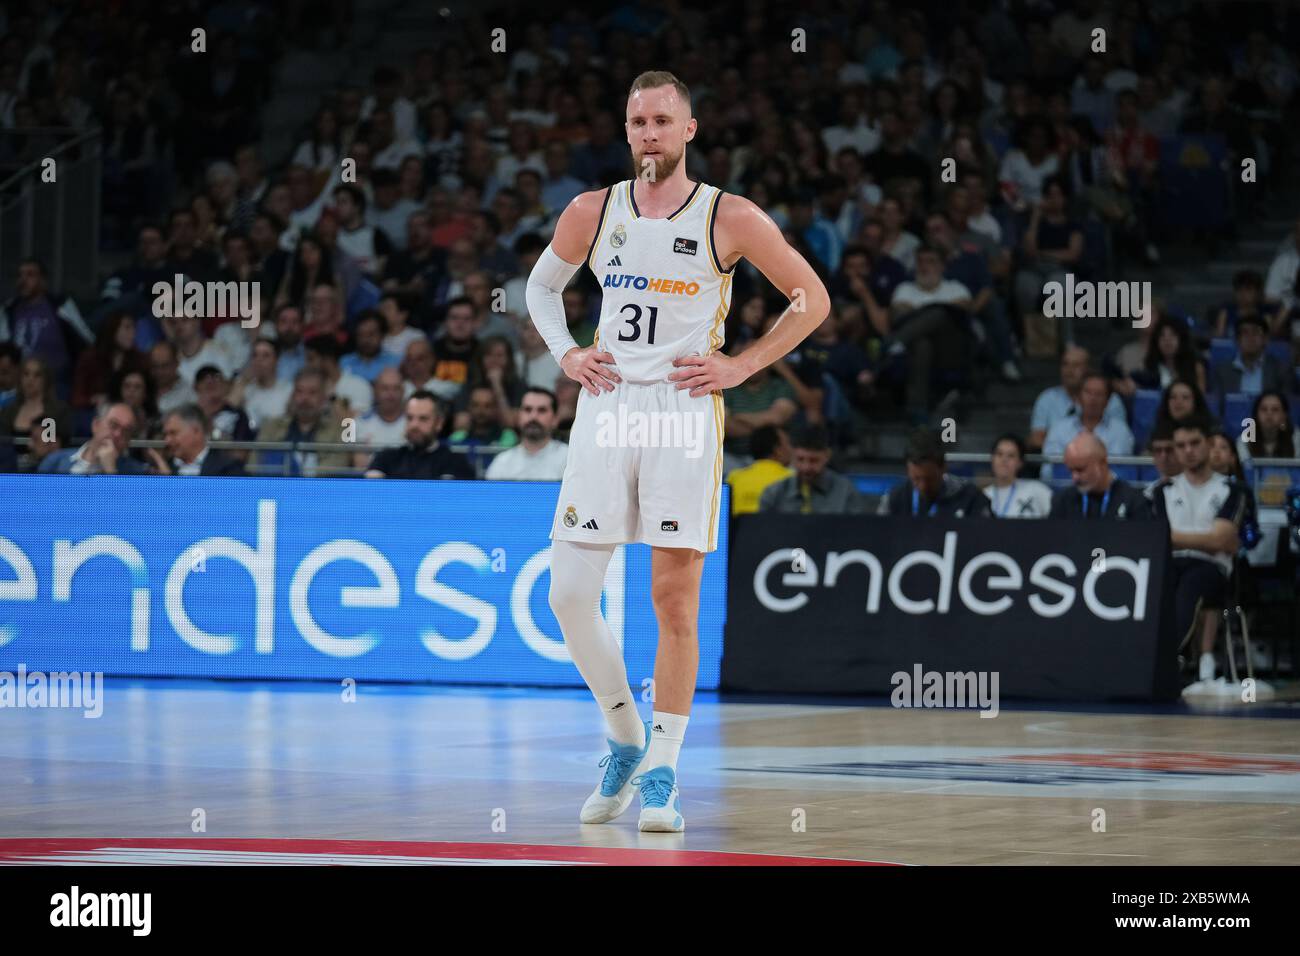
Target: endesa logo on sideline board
x=1058 y=609
x=302 y=578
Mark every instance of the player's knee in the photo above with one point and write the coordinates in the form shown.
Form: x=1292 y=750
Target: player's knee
x=675 y=608
x=571 y=600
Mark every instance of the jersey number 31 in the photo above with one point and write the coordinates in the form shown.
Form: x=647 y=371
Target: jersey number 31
x=635 y=322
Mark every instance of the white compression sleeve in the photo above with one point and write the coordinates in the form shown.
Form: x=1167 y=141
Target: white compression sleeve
x=546 y=306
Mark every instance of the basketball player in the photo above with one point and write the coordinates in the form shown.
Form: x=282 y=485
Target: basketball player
x=664 y=250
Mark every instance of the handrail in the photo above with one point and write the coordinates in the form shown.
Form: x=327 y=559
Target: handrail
x=93 y=133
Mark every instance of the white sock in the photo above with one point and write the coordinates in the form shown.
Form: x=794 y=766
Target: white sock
x=625 y=726
x=666 y=733
x=1207 y=666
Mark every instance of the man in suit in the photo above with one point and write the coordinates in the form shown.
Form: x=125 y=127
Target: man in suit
x=1252 y=370
x=185 y=430
x=105 y=453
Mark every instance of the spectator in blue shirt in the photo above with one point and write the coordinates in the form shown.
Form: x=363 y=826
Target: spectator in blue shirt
x=368 y=358
x=1113 y=432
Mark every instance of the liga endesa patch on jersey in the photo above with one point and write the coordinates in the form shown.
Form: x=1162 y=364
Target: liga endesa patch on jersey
x=686 y=247
x=646 y=284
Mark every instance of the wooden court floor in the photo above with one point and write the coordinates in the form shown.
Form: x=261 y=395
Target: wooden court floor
x=209 y=760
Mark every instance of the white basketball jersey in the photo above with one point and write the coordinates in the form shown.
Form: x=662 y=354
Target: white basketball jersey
x=665 y=294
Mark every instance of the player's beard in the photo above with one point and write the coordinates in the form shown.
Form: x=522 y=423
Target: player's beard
x=664 y=166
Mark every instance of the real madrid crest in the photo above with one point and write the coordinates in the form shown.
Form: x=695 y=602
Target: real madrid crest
x=570 y=517
x=619 y=237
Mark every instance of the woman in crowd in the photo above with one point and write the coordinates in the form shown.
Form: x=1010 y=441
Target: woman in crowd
x=1274 y=434
x=113 y=352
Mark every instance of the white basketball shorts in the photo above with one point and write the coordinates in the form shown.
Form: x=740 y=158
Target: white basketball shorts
x=645 y=464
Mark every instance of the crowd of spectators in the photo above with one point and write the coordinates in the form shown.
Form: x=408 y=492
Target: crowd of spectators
x=407 y=278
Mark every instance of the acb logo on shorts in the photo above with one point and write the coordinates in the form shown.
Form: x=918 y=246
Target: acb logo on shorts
x=570 y=517
x=668 y=526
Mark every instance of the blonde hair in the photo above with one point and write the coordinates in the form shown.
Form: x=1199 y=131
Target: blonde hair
x=652 y=79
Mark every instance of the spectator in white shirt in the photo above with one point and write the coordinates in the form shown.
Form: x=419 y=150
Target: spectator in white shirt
x=367 y=246
x=385 y=423
x=193 y=349
x=389 y=146
x=1205 y=511
x=259 y=390
x=323 y=354
x=924 y=315
x=1010 y=495
x=1024 y=171
x=852 y=130
x=398 y=335
x=523 y=153
x=387 y=83
x=1280 y=285
x=390 y=211
x=537 y=367
x=320 y=151
x=168 y=385
x=896 y=241
x=538 y=457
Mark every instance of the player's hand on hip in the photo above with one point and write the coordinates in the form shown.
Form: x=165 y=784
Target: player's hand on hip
x=591 y=368
x=703 y=374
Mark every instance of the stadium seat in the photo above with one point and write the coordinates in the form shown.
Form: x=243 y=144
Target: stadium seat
x=1129 y=473
x=1146 y=403
x=1280 y=351
x=1236 y=406
x=1221 y=351
x=875 y=485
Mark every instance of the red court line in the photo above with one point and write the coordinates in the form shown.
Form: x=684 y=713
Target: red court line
x=16 y=850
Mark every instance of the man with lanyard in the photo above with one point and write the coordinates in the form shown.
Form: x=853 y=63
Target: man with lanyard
x=929 y=490
x=1096 y=492
x=1010 y=495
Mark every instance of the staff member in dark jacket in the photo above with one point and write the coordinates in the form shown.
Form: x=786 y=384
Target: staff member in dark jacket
x=1096 y=493
x=929 y=490
x=423 y=456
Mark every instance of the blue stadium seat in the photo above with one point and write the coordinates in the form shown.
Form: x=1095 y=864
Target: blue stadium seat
x=1215 y=402
x=875 y=484
x=1060 y=473
x=1126 y=472
x=1095 y=248
x=1236 y=406
x=998 y=142
x=1279 y=350
x=1146 y=403
x=1221 y=351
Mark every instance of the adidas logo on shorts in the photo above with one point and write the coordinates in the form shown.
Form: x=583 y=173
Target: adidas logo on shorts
x=591 y=525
